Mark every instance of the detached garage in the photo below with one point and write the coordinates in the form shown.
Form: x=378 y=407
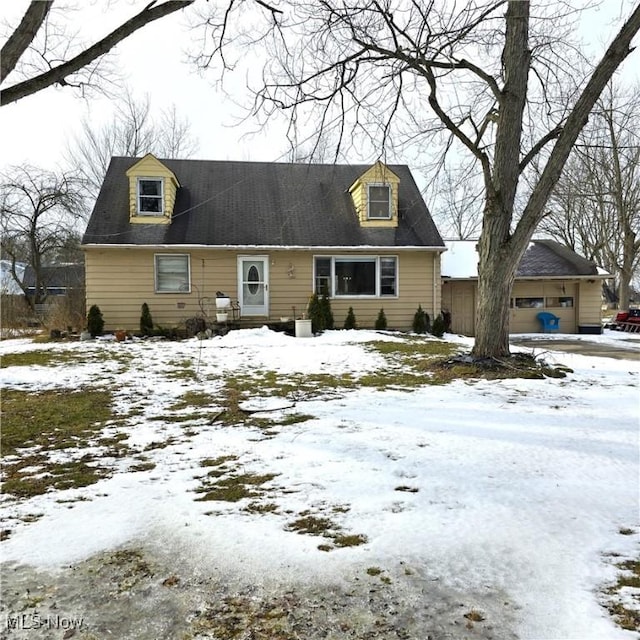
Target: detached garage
x=551 y=278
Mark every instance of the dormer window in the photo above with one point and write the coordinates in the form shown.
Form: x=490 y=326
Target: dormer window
x=150 y=197
x=379 y=202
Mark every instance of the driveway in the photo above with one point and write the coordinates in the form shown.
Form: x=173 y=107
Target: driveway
x=581 y=347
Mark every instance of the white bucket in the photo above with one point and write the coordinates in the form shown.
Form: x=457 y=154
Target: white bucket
x=303 y=329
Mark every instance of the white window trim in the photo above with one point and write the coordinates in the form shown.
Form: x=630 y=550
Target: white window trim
x=352 y=258
x=155 y=273
x=390 y=191
x=139 y=195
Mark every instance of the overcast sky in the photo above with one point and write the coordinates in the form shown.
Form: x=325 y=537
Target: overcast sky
x=36 y=128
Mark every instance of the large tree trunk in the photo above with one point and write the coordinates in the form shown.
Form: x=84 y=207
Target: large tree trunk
x=498 y=258
x=626 y=273
x=497 y=265
x=500 y=249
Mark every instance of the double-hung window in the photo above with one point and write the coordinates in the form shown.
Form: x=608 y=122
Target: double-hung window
x=372 y=276
x=379 y=201
x=150 y=197
x=172 y=273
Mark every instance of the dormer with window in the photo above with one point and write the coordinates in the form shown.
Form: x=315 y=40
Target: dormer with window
x=152 y=191
x=375 y=197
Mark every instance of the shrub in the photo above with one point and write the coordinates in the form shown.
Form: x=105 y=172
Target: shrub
x=146 y=321
x=95 y=321
x=446 y=318
x=314 y=313
x=438 y=326
x=325 y=310
x=381 y=321
x=350 y=320
x=420 y=321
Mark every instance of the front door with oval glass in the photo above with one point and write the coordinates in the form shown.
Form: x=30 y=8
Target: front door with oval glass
x=253 y=285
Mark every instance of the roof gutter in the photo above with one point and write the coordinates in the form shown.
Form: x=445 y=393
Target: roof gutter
x=266 y=247
x=590 y=276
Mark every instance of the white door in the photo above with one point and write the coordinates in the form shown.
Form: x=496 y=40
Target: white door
x=253 y=285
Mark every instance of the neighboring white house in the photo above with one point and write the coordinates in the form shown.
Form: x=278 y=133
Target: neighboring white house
x=8 y=284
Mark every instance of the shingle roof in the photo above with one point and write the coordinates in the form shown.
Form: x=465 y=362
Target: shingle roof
x=62 y=276
x=542 y=258
x=550 y=258
x=223 y=203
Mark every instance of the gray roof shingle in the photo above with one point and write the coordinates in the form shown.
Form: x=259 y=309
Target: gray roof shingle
x=550 y=258
x=221 y=203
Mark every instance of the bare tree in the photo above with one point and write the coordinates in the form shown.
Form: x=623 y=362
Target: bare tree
x=57 y=65
x=132 y=131
x=458 y=211
x=492 y=85
x=595 y=208
x=39 y=213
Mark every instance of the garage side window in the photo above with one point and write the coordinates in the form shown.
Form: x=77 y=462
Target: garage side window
x=172 y=273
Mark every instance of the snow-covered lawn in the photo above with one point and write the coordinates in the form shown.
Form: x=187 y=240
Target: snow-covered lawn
x=524 y=489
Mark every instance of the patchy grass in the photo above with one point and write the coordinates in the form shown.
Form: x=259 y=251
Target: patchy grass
x=349 y=539
x=318 y=525
x=191 y=399
x=52 y=419
x=43 y=358
x=233 y=616
x=412 y=347
x=182 y=370
x=142 y=466
x=625 y=611
x=125 y=569
x=224 y=485
x=312 y=525
x=236 y=488
x=217 y=462
x=261 y=507
x=518 y=365
x=160 y=444
x=439 y=362
x=474 y=615
x=36 y=424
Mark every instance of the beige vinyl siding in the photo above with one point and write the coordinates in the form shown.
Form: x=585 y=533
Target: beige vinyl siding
x=459 y=299
x=525 y=321
x=590 y=302
x=415 y=273
x=120 y=280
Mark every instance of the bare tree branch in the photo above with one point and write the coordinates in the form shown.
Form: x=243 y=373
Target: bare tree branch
x=60 y=73
x=23 y=35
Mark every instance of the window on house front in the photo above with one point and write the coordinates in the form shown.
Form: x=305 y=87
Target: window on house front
x=150 y=197
x=172 y=273
x=356 y=276
x=379 y=199
x=323 y=276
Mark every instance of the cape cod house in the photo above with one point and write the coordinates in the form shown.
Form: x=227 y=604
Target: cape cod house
x=172 y=233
